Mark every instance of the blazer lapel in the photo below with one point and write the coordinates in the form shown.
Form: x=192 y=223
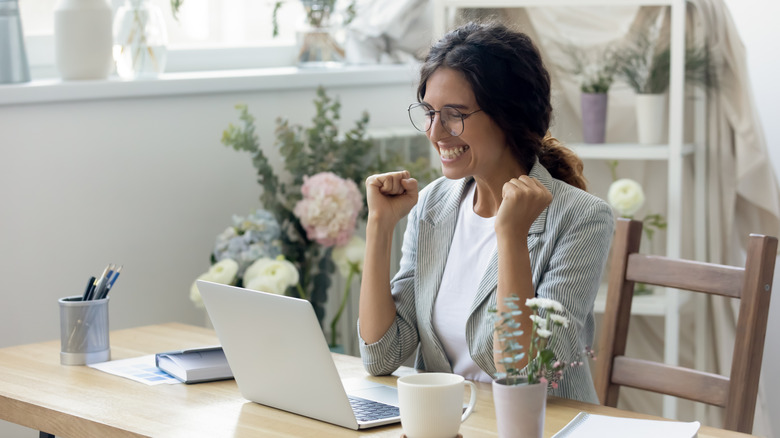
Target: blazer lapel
x=489 y=280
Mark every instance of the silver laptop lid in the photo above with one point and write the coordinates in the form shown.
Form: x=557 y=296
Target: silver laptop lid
x=277 y=352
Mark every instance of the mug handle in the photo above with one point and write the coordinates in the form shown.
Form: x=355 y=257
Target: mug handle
x=472 y=400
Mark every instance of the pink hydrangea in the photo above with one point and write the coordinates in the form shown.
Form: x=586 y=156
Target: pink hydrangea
x=329 y=208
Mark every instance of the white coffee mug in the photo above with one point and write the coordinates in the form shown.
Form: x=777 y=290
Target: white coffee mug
x=431 y=404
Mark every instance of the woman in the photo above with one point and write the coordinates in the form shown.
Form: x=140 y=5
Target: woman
x=509 y=217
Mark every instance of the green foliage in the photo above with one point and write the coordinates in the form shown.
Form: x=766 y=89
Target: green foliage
x=175 y=5
x=595 y=67
x=317 y=12
x=543 y=364
x=307 y=151
x=644 y=65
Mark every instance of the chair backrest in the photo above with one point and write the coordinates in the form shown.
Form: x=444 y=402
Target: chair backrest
x=751 y=284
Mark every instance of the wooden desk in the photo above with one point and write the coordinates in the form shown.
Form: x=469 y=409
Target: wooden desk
x=78 y=401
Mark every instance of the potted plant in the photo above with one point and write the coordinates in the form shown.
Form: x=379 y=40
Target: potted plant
x=644 y=65
x=318 y=47
x=520 y=392
x=595 y=69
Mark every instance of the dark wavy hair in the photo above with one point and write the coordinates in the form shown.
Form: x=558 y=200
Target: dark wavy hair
x=511 y=84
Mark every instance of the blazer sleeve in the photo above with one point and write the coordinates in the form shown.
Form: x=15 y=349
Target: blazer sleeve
x=572 y=277
x=401 y=339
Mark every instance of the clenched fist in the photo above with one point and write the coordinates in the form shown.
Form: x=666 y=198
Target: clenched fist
x=390 y=196
x=523 y=200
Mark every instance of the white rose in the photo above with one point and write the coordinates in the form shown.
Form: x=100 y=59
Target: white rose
x=269 y=275
x=223 y=272
x=266 y=284
x=626 y=196
x=353 y=252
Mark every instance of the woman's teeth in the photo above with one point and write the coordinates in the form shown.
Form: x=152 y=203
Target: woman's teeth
x=452 y=153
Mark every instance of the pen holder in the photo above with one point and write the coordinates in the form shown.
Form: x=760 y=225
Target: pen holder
x=83 y=331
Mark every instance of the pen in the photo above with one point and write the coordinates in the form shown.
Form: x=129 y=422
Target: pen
x=88 y=289
x=100 y=284
x=110 y=283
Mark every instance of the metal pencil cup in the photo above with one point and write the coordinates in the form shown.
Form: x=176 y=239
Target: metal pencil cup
x=83 y=331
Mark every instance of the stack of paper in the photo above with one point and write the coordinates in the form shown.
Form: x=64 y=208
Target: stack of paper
x=586 y=425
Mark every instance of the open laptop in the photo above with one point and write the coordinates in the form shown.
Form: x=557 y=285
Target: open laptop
x=280 y=358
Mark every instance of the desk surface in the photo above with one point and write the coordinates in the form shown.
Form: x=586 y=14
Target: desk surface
x=77 y=401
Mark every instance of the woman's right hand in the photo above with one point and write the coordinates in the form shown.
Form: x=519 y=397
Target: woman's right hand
x=390 y=196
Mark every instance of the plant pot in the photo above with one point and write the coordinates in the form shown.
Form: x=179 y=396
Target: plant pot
x=594 y=117
x=651 y=118
x=520 y=409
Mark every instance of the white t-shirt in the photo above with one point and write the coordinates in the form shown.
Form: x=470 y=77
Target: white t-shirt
x=473 y=244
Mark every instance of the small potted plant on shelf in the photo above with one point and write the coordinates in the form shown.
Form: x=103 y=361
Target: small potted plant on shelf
x=520 y=391
x=595 y=69
x=644 y=64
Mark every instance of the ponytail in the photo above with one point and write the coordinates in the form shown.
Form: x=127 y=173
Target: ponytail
x=561 y=162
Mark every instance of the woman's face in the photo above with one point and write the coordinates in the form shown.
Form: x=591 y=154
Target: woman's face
x=481 y=149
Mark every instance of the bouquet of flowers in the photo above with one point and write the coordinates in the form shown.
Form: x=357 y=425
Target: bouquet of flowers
x=543 y=366
x=316 y=205
x=248 y=254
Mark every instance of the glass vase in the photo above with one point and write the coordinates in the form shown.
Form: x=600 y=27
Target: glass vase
x=140 y=40
x=318 y=47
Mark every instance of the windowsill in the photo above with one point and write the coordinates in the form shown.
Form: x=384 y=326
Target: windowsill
x=227 y=81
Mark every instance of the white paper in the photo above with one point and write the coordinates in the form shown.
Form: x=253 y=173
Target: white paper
x=141 y=369
x=586 y=425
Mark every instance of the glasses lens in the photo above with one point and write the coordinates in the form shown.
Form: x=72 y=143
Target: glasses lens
x=420 y=116
x=452 y=120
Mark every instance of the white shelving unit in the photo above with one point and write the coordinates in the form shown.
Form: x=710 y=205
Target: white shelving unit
x=665 y=303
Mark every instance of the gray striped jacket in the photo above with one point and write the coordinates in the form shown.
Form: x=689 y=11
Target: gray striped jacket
x=568 y=245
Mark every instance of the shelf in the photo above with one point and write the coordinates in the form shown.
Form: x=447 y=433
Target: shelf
x=647 y=305
x=547 y=3
x=626 y=151
x=224 y=81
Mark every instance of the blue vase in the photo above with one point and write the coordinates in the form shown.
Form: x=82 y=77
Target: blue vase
x=13 y=58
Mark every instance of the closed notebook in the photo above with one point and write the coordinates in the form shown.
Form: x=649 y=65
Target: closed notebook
x=195 y=365
x=586 y=425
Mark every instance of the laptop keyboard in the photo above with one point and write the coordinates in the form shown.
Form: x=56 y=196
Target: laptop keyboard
x=369 y=410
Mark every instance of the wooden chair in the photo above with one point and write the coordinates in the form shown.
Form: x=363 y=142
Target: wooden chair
x=752 y=284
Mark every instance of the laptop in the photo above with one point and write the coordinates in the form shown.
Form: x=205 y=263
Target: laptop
x=280 y=358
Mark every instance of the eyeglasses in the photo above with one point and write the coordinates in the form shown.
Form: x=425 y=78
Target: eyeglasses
x=451 y=119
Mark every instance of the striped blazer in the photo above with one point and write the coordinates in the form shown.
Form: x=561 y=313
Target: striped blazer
x=568 y=244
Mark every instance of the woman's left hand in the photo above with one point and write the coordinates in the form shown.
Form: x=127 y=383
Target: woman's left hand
x=523 y=200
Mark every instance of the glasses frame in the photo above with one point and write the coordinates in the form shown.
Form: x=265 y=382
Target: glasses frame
x=432 y=115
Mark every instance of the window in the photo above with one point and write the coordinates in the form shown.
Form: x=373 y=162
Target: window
x=209 y=34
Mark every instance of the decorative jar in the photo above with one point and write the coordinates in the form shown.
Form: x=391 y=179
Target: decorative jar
x=82 y=39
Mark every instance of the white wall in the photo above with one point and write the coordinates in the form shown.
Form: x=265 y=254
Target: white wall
x=141 y=182
x=756 y=21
